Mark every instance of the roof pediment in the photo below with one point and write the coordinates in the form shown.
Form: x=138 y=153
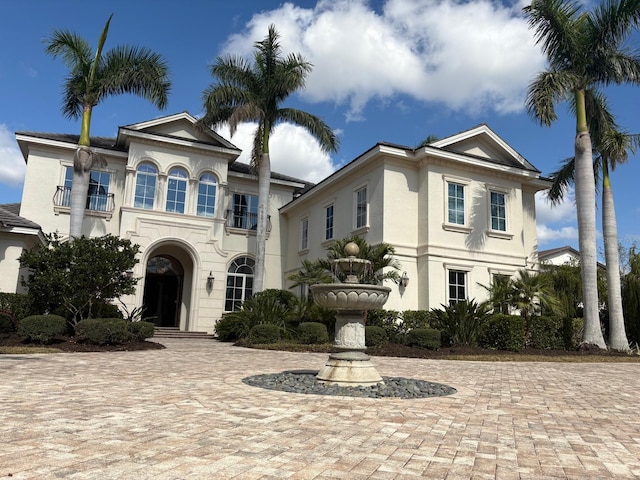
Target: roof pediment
x=182 y=126
x=482 y=142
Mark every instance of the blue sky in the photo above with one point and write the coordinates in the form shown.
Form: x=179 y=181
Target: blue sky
x=390 y=70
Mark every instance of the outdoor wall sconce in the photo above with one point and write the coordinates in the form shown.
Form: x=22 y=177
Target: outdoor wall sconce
x=404 y=280
x=210 y=280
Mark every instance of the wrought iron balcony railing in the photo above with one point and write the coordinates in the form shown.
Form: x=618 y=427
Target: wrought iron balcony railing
x=244 y=220
x=99 y=202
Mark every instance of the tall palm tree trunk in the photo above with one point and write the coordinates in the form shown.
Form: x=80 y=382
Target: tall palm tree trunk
x=586 y=210
x=82 y=163
x=264 y=181
x=617 y=334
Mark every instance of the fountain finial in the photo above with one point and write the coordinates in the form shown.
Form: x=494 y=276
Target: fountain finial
x=352 y=249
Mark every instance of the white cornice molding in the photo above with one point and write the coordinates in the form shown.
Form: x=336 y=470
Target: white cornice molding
x=178 y=142
x=62 y=145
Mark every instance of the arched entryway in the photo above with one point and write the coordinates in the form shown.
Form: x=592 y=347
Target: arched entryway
x=164 y=279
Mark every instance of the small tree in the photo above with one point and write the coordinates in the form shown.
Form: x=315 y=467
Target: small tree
x=76 y=276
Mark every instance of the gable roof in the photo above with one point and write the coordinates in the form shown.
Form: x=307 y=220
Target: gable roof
x=10 y=218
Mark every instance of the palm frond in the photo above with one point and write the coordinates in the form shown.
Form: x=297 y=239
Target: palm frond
x=549 y=88
x=611 y=22
x=562 y=179
x=74 y=51
x=314 y=125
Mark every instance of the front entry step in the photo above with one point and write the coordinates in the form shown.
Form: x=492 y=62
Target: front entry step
x=175 y=332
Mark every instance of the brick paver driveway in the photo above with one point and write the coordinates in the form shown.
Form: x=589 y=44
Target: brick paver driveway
x=184 y=413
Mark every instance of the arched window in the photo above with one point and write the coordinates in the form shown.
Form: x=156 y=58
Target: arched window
x=206 y=195
x=239 y=283
x=146 y=177
x=176 y=190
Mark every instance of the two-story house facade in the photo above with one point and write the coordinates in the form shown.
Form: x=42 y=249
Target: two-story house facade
x=457 y=212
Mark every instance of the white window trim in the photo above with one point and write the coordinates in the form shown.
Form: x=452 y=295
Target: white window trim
x=324 y=222
x=187 y=188
x=362 y=228
x=459 y=268
x=456 y=227
x=304 y=249
x=505 y=235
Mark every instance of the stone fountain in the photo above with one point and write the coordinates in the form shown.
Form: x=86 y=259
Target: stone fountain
x=350 y=366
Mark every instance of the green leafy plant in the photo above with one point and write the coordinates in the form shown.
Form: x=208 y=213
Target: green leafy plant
x=429 y=338
x=141 y=330
x=546 y=333
x=312 y=333
x=503 y=332
x=460 y=323
x=103 y=331
x=374 y=336
x=264 y=333
x=41 y=328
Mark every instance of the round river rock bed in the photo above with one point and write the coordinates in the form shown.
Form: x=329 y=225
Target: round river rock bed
x=304 y=381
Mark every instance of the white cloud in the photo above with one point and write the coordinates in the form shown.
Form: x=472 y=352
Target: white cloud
x=558 y=222
x=472 y=56
x=547 y=234
x=12 y=165
x=294 y=151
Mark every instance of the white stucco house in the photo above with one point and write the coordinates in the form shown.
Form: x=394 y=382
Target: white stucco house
x=457 y=212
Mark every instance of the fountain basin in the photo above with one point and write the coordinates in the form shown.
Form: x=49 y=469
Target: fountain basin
x=350 y=296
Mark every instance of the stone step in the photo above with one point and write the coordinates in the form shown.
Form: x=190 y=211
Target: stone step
x=174 y=332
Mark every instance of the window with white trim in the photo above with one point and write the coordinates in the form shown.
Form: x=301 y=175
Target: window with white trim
x=455 y=203
x=97 y=195
x=146 y=178
x=239 y=283
x=498 y=211
x=207 y=186
x=244 y=213
x=176 y=190
x=457 y=283
x=328 y=222
x=361 y=207
x=304 y=234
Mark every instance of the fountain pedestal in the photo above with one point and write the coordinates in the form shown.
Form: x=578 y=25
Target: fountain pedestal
x=350 y=366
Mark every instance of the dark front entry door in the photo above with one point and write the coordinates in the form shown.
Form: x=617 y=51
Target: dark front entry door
x=163 y=291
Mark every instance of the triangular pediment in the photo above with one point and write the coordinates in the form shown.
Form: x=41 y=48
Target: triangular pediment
x=482 y=142
x=180 y=126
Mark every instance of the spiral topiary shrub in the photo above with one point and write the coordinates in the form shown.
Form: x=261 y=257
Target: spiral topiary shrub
x=312 y=333
x=264 y=333
x=429 y=338
x=374 y=336
x=41 y=328
x=141 y=330
x=103 y=331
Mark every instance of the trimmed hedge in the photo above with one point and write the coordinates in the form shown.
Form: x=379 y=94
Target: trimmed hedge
x=312 y=333
x=546 y=333
x=412 y=319
x=103 y=331
x=6 y=325
x=504 y=332
x=226 y=329
x=141 y=330
x=374 y=336
x=429 y=338
x=42 y=328
x=264 y=333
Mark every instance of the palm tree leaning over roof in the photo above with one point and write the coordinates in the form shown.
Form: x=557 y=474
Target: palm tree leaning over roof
x=585 y=50
x=612 y=147
x=254 y=93
x=92 y=77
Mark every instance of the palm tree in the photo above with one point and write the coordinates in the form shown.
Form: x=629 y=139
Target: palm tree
x=254 y=93
x=530 y=293
x=92 y=77
x=612 y=147
x=585 y=50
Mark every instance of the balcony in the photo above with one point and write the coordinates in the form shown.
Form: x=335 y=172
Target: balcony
x=244 y=221
x=96 y=202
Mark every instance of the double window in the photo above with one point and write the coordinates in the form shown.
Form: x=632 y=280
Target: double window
x=239 y=283
x=98 y=197
x=206 y=195
x=244 y=213
x=146 y=179
x=498 y=211
x=455 y=203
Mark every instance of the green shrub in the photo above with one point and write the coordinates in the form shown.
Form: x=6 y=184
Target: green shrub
x=226 y=329
x=412 y=319
x=312 y=333
x=374 y=336
x=265 y=308
x=141 y=330
x=6 y=325
x=389 y=320
x=41 y=328
x=504 y=332
x=424 y=338
x=103 y=331
x=546 y=333
x=14 y=306
x=460 y=323
x=572 y=332
x=264 y=333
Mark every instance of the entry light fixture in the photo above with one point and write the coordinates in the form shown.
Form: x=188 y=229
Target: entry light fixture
x=210 y=280
x=404 y=280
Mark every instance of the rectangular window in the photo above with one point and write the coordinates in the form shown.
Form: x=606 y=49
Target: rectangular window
x=457 y=286
x=498 y=212
x=455 y=198
x=245 y=211
x=304 y=234
x=98 y=193
x=328 y=224
x=361 y=208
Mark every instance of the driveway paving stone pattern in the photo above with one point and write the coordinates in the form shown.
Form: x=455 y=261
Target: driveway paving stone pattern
x=184 y=413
